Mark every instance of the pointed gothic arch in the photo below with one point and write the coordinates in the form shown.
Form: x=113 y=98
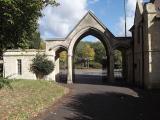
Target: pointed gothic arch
x=88 y=25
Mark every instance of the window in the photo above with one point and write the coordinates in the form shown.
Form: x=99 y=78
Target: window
x=19 y=61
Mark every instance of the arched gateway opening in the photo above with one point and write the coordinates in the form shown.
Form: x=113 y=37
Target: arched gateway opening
x=89 y=61
x=100 y=36
x=89 y=25
x=60 y=54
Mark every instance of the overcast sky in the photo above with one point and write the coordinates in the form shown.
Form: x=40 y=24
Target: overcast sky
x=57 y=22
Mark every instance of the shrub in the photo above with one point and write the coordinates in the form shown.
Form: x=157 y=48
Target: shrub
x=1 y=70
x=95 y=65
x=5 y=82
x=41 y=66
x=79 y=66
x=1 y=74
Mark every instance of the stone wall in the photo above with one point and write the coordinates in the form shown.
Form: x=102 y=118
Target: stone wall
x=146 y=34
x=152 y=47
x=11 y=58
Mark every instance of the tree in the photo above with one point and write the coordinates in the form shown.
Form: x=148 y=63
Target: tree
x=100 y=51
x=63 y=56
x=88 y=52
x=118 y=58
x=36 y=41
x=42 y=45
x=19 y=21
x=78 y=50
x=41 y=66
x=63 y=59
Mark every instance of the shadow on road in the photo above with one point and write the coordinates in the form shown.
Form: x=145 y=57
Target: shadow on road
x=89 y=79
x=93 y=99
x=96 y=98
x=93 y=77
x=115 y=106
x=94 y=80
x=99 y=80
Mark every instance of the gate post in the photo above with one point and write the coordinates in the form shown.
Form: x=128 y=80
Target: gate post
x=70 y=74
x=111 y=67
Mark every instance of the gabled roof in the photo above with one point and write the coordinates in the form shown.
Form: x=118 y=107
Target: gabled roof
x=140 y=6
x=132 y=28
x=89 y=13
x=139 y=9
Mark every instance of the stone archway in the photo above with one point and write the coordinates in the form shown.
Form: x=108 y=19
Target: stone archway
x=88 y=25
x=123 y=44
x=105 y=41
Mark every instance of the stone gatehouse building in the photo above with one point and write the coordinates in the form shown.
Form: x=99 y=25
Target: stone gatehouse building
x=141 y=52
x=146 y=45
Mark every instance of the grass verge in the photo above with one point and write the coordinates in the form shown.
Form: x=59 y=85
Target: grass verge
x=27 y=98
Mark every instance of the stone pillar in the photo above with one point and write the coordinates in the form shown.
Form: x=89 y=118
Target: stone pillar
x=51 y=56
x=57 y=69
x=124 y=65
x=105 y=66
x=70 y=72
x=111 y=68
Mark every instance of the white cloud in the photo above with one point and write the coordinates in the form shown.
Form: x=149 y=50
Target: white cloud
x=130 y=8
x=58 y=21
x=93 y=1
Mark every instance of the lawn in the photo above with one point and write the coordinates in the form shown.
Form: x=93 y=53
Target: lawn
x=28 y=98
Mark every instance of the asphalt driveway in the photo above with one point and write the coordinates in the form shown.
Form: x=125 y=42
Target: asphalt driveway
x=108 y=101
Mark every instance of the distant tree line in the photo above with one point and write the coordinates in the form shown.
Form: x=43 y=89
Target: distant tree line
x=90 y=54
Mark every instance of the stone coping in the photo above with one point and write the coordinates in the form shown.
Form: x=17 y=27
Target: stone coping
x=20 y=52
x=24 y=50
x=55 y=39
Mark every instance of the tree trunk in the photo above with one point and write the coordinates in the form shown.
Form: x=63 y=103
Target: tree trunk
x=39 y=76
